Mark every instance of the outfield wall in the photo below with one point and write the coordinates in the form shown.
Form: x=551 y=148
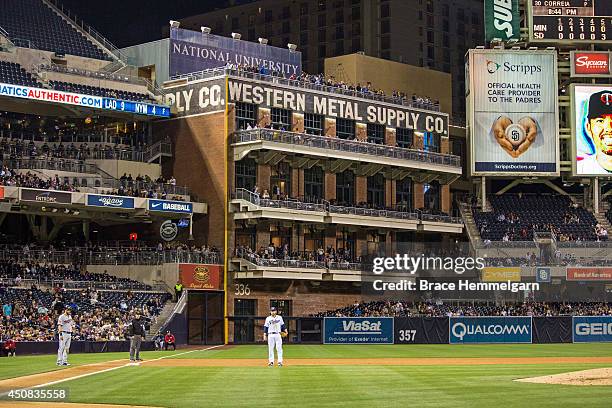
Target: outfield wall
x=433 y=330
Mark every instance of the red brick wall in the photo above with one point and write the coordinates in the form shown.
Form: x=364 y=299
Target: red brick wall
x=263 y=177
x=361 y=189
x=390 y=137
x=329 y=127
x=297 y=124
x=199 y=141
x=361 y=131
x=330 y=186
x=419 y=200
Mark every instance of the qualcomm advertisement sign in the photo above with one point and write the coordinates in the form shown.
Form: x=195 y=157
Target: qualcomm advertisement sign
x=590 y=329
x=490 y=330
x=358 y=330
x=192 y=51
x=109 y=201
x=170 y=206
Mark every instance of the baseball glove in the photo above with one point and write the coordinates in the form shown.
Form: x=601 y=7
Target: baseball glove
x=283 y=334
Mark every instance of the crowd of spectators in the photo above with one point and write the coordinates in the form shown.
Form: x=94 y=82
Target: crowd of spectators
x=31 y=314
x=17 y=271
x=330 y=81
x=516 y=217
x=142 y=187
x=18 y=148
x=9 y=177
x=271 y=254
x=405 y=308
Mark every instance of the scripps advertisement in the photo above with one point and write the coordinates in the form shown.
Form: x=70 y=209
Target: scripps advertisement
x=513 y=112
x=592 y=129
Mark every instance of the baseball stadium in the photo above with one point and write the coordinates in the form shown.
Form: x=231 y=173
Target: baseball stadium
x=305 y=203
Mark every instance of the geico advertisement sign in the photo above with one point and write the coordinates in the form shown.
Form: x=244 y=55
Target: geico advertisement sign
x=589 y=329
x=358 y=330
x=490 y=330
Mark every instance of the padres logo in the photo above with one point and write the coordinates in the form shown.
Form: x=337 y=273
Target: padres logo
x=201 y=274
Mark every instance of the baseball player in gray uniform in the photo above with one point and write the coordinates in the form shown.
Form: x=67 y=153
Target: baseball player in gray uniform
x=274 y=331
x=65 y=325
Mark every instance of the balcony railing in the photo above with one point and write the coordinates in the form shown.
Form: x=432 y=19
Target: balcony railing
x=279 y=263
x=243 y=194
x=74 y=166
x=111 y=257
x=400 y=213
x=278 y=80
x=343 y=145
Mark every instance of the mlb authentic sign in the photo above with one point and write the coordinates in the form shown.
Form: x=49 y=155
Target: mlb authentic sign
x=201 y=276
x=591 y=63
x=501 y=20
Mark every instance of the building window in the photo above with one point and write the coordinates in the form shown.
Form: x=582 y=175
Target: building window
x=268 y=16
x=345 y=188
x=246 y=174
x=314 y=184
x=384 y=10
x=286 y=12
x=376 y=133
x=430 y=6
x=346 y=243
x=430 y=37
x=246 y=114
x=356 y=45
x=304 y=23
x=340 y=32
x=404 y=137
x=322 y=21
x=356 y=13
x=430 y=53
x=339 y=17
x=430 y=22
x=284 y=307
x=345 y=128
x=431 y=196
x=339 y=47
x=313 y=124
x=281 y=119
x=356 y=27
x=403 y=194
x=376 y=191
x=280 y=180
x=303 y=39
x=286 y=28
x=245 y=307
x=385 y=42
x=431 y=142
x=304 y=9
x=385 y=26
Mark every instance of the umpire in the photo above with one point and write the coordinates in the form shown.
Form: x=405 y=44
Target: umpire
x=136 y=331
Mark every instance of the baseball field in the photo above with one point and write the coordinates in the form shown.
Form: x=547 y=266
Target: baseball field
x=326 y=375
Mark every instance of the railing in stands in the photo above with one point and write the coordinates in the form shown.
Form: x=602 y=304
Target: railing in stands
x=278 y=263
x=343 y=145
x=110 y=257
x=159 y=148
x=56 y=164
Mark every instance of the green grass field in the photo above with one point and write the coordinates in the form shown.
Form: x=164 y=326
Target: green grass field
x=340 y=385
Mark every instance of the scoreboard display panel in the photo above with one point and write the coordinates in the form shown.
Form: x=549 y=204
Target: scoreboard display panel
x=570 y=21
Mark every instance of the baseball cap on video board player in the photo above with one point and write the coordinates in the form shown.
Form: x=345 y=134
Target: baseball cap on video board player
x=272 y=309
x=600 y=103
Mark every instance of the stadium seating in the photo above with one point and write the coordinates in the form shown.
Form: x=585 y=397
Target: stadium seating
x=517 y=216
x=13 y=73
x=96 y=91
x=406 y=308
x=33 y=24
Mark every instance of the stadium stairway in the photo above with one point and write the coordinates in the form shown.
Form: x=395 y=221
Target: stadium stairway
x=164 y=315
x=470 y=225
x=603 y=220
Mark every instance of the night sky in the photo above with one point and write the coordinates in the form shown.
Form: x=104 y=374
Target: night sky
x=129 y=22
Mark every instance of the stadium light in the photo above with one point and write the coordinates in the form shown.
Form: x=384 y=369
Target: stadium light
x=236 y=36
x=205 y=30
x=292 y=47
x=263 y=41
x=175 y=24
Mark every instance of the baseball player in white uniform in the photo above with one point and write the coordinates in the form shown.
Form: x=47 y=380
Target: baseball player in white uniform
x=65 y=325
x=274 y=331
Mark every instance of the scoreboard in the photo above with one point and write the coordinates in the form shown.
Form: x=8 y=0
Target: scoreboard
x=570 y=20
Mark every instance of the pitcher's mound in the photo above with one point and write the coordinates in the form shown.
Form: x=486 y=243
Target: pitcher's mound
x=597 y=376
